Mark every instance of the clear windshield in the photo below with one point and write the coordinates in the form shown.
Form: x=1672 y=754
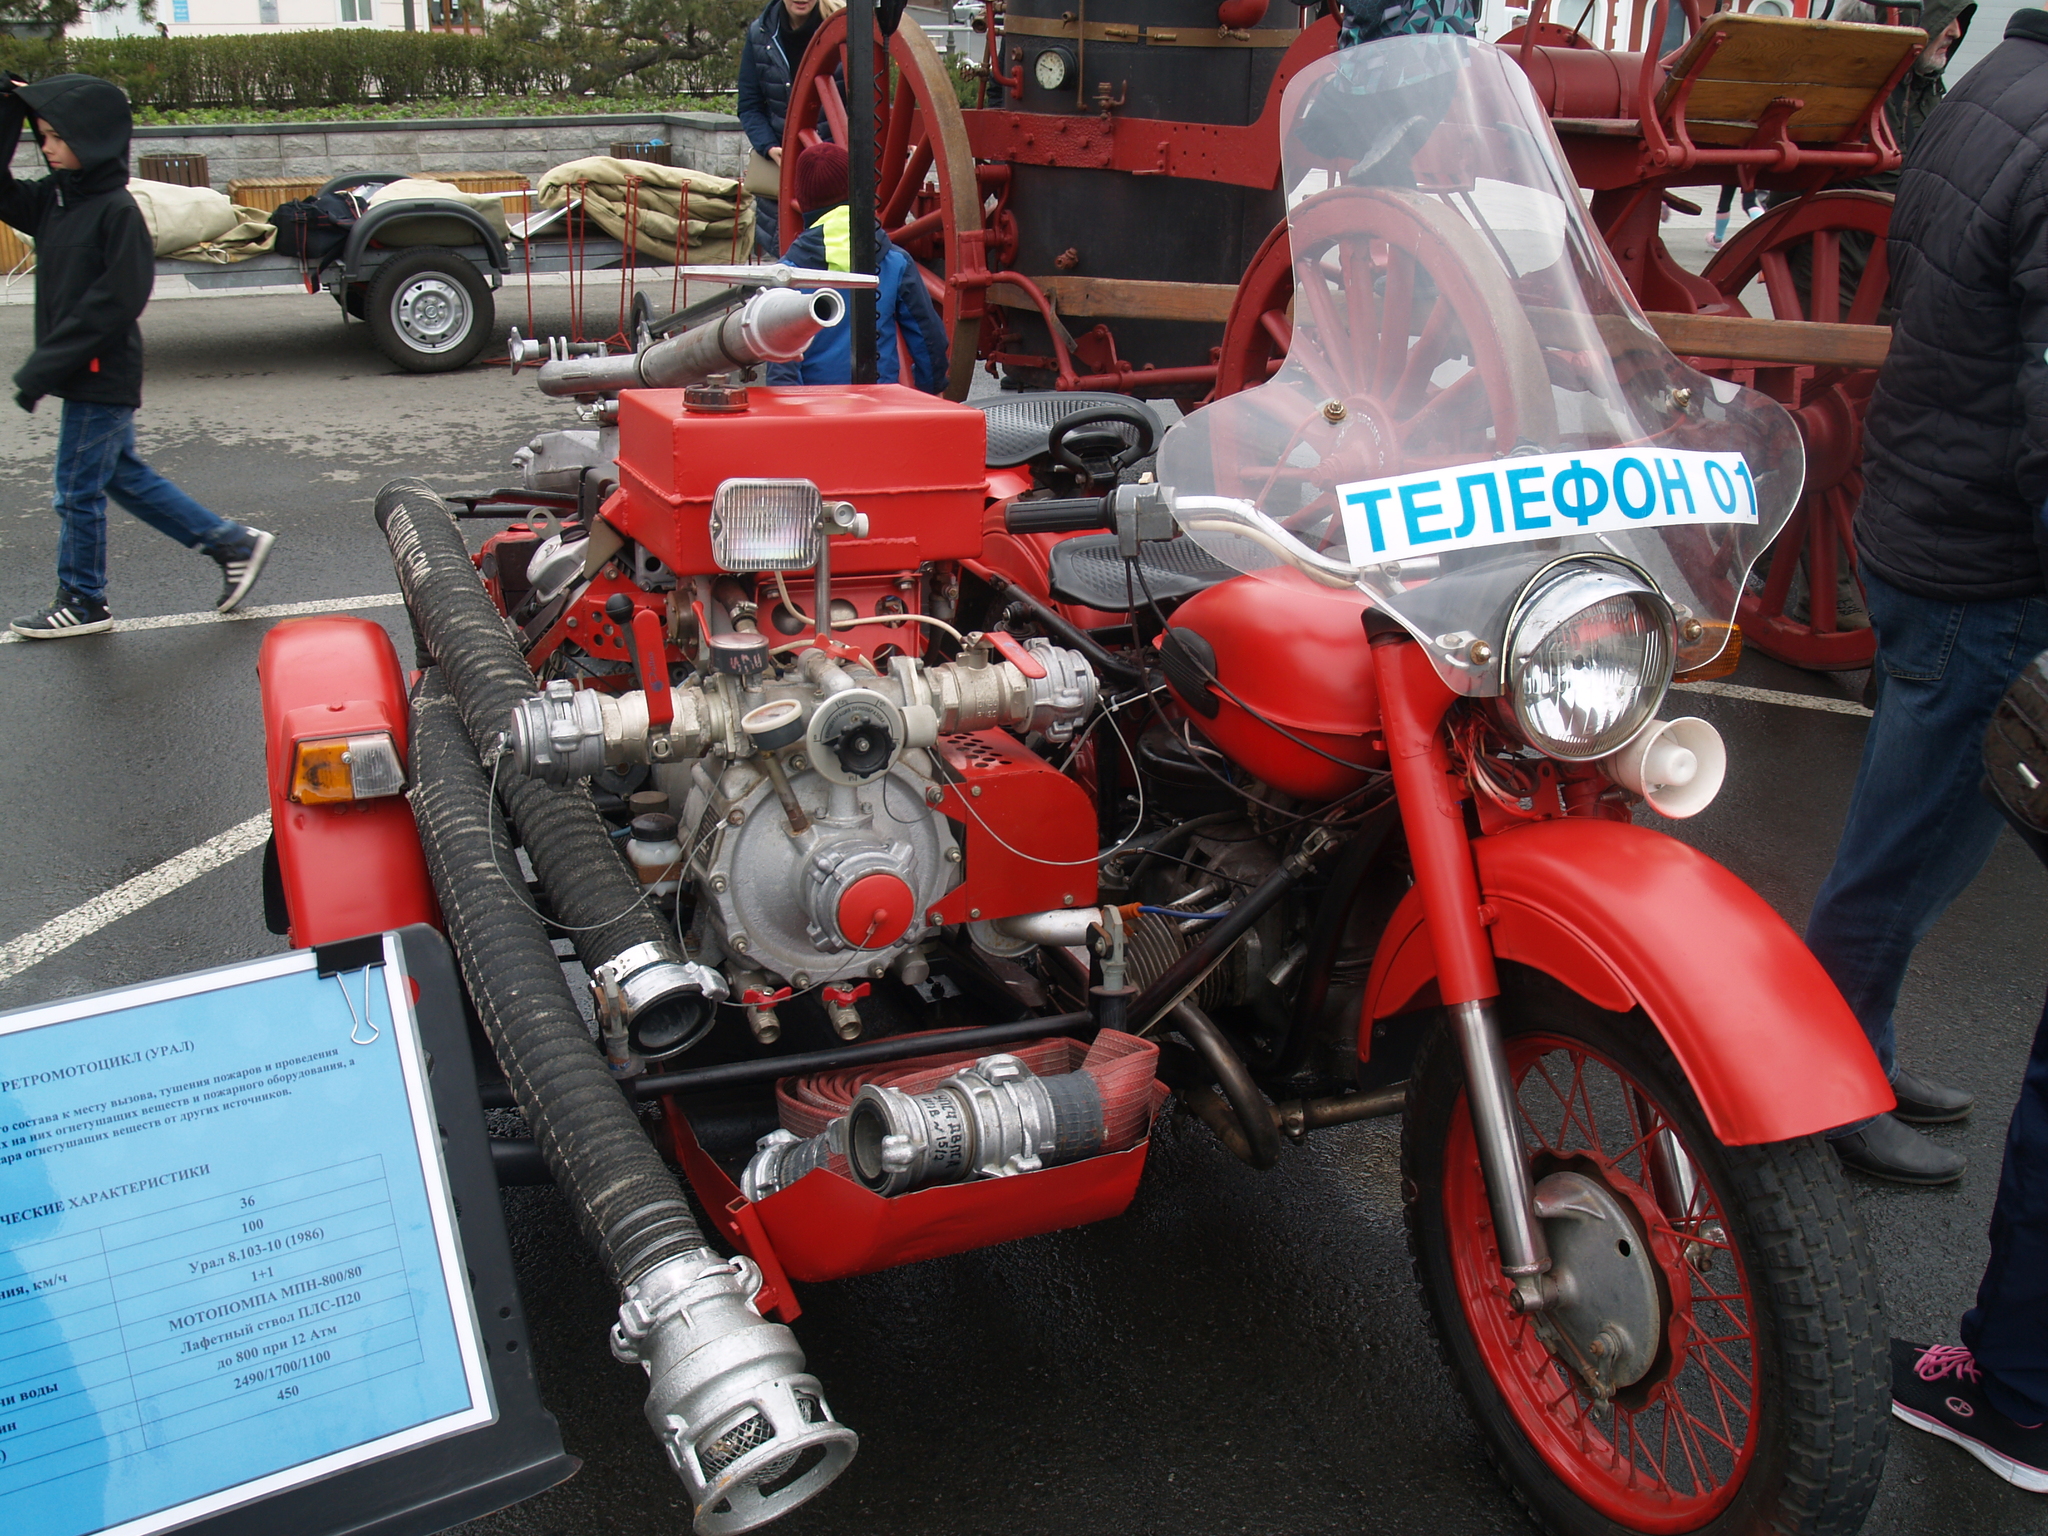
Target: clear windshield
x=1469 y=392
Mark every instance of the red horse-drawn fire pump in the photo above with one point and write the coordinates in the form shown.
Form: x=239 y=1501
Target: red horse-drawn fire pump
x=1109 y=216
x=929 y=792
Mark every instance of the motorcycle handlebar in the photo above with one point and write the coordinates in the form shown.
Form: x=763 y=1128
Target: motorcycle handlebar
x=1080 y=514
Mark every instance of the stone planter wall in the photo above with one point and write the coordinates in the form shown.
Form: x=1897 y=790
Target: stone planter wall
x=705 y=141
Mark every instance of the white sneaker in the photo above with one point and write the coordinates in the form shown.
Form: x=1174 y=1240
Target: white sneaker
x=240 y=566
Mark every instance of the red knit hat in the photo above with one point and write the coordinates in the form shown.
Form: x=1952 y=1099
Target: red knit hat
x=821 y=176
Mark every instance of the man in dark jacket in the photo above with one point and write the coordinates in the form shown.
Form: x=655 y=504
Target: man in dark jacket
x=95 y=266
x=774 y=46
x=1913 y=100
x=902 y=307
x=1955 y=472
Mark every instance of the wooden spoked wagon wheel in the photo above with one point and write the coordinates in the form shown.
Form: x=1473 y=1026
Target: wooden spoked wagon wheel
x=926 y=192
x=1414 y=330
x=1261 y=322
x=1811 y=272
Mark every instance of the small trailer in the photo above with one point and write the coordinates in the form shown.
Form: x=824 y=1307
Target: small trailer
x=423 y=273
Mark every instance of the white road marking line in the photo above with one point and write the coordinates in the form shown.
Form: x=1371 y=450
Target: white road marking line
x=242 y=615
x=1774 y=696
x=88 y=918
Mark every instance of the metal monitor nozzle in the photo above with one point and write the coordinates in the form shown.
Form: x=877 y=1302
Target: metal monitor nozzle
x=774 y=325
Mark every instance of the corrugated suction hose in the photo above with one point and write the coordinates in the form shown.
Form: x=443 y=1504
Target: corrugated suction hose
x=596 y=899
x=744 y=1425
x=628 y=1203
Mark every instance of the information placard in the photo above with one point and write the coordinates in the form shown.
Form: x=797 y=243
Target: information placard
x=229 y=1263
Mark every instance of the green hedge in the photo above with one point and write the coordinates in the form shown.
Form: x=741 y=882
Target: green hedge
x=324 y=69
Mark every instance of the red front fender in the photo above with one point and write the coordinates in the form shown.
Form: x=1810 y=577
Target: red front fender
x=1628 y=917
x=347 y=869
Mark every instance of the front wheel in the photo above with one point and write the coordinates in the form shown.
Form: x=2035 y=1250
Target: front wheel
x=430 y=310
x=1723 y=1298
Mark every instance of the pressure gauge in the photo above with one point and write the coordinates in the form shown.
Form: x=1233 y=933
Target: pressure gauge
x=1051 y=68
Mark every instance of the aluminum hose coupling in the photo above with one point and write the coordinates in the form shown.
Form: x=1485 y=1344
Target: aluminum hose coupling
x=669 y=1003
x=782 y=1157
x=988 y=1121
x=744 y=1425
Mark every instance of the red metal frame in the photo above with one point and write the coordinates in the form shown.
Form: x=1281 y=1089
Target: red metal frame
x=1413 y=701
x=1011 y=800
x=347 y=869
x=1667 y=146
x=1246 y=156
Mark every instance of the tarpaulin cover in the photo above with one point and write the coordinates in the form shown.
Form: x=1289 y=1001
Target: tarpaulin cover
x=718 y=220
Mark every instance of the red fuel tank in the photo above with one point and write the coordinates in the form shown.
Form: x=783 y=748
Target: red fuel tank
x=1579 y=82
x=1296 y=654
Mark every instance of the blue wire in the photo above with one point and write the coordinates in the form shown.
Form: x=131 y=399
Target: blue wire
x=1201 y=917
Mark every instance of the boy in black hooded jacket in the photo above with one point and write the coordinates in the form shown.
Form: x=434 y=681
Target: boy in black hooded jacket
x=94 y=270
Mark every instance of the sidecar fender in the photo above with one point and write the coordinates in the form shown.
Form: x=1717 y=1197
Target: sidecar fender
x=348 y=869
x=1627 y=917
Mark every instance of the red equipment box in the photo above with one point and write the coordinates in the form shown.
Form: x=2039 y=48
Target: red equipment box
x=826 y=1227
x=913 y=464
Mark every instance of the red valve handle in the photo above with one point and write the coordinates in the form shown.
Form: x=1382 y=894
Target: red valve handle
x=1014 y=653
x=653 y=666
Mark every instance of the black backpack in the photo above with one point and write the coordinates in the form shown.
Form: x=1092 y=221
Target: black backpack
x=315 y=228
x=2016 y=752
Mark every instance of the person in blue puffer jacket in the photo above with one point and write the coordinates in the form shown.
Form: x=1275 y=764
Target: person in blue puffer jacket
x=902 y=307
x=774 y=46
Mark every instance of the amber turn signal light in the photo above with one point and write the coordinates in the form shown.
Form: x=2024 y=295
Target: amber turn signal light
x=334 y=769
x=1724 y=662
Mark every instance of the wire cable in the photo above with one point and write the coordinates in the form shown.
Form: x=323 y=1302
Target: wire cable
x=782 y=589
x=1137 y=777
x=1209 y=676
x=519 y=886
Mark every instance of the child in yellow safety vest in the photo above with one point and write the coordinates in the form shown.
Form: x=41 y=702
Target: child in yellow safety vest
x=910 y=343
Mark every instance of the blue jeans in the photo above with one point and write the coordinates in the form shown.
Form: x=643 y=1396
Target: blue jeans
x=2008 y=1328
x=1918 y=829
x=96 y=459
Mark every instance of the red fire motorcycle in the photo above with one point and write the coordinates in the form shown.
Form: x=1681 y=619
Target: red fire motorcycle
x=927 y=794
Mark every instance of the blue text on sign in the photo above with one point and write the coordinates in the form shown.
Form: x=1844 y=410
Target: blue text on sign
x=1559 y=495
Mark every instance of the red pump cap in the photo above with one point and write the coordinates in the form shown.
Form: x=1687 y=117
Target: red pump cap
x=876 y=911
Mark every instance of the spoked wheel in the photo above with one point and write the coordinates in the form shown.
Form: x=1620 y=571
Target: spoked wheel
x=1724 y=1298
x=1821 y=258
x=1261 y=320
x=927 y=194
x=1417 y=333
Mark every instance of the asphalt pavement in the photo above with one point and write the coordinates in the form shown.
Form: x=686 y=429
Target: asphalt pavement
x=1240 y=1352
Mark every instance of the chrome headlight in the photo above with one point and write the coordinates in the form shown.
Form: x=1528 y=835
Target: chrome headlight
x=1589 y=656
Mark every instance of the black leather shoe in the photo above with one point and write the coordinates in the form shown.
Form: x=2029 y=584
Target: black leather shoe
x=1889 y=1149
x=1922 y=1102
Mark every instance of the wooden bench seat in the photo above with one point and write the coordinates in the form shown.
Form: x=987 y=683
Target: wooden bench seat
x=1736 y=65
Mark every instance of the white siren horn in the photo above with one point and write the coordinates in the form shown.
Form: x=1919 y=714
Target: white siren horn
x=1676 y=765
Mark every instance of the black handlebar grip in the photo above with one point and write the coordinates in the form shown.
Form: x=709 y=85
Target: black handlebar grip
x=1078 y=514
